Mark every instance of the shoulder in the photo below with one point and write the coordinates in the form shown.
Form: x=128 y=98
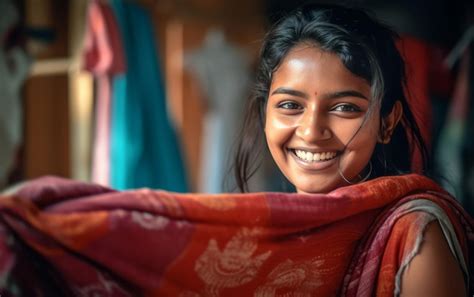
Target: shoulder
x=433 y=271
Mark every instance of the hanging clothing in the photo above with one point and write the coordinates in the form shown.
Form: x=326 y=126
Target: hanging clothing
x=14 y=67
x=103 y=56
x=451 y=136
x=223 y=72
x=442 y=87
x=77 y=238
x=467 y=146
x=415 y=54
x=144 y=149
x=428 y=81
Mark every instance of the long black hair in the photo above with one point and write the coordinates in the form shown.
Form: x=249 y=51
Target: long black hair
x=367 y=48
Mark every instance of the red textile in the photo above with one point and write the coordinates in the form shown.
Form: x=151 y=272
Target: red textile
x=157 y=243
x=416 y=55
x=426 y=75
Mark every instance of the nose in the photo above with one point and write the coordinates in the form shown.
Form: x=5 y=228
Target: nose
x=313 y=127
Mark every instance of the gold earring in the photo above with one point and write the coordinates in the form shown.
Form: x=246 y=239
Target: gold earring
x=387 y=139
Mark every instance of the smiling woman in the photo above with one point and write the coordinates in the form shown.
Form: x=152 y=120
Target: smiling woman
x=335 y=76
x=315 y=108
x=329 y=104
x=330 y=107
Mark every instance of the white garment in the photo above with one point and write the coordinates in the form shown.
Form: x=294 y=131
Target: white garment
x=14 y=66
x=223 y=72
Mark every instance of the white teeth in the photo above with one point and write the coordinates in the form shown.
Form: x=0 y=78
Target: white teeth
x=314 y=157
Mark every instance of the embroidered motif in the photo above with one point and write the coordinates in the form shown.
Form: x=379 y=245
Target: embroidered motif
x=302 y=278
x=149 y=221
x=232 y=267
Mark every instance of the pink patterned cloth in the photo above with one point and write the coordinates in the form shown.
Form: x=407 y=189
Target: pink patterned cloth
x=65 y=238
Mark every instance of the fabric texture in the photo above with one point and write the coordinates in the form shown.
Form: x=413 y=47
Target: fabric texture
x=145 y=151
x=82 y=239
x=103 y=55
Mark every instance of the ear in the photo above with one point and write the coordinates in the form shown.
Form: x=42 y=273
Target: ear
x=390 y=122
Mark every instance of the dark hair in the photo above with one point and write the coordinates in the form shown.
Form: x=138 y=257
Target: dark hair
x=366 y=48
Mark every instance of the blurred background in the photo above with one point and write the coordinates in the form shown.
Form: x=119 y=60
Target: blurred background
x=150 y=93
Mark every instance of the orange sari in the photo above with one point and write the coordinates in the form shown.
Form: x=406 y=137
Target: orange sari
x=81 y=239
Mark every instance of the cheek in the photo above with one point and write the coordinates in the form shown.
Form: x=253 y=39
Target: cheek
x=355 y=130
x=364 y=141
x=359 y=151
x=277 y=130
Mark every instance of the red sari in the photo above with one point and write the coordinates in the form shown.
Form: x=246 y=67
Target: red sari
x=83 y=239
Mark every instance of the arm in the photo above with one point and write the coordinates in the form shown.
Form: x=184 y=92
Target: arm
x=434 y=271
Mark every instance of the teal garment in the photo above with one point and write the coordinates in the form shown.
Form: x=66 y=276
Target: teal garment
x=144 y=148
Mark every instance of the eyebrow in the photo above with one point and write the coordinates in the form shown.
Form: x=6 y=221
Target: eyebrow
x=334 y=95
x=292 y=92
x=342 y=94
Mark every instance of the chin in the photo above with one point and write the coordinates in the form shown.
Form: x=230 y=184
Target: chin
x=313 y=187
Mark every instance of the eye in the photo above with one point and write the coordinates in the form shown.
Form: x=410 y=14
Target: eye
x=346 y=108
x=289 y=105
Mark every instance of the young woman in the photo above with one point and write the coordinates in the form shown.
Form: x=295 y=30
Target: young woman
x=329 y=101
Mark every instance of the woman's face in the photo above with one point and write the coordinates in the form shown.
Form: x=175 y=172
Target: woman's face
x=315 y=108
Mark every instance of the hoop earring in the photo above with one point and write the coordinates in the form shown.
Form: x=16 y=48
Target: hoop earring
x=362 y=180
x=368 y=174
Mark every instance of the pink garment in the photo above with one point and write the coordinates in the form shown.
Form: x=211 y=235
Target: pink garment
x=89 y=240
x=104 y=57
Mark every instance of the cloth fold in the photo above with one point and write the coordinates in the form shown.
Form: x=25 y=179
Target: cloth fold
x=145 y=150
x=85 y=239
x=103 y=55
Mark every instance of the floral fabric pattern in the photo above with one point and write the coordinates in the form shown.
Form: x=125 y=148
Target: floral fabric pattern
x=65 y=238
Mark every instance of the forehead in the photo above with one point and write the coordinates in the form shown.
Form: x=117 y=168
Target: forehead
x=307 y=65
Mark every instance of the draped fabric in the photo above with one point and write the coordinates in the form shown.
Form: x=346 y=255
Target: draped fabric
x=103 y=56
x=428 y=80
x=81 y=239
x=135 y=144
x=145 y=151
x=416 y=55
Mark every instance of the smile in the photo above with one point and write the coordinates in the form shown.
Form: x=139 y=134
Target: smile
x=312 y=161
x=314 y=157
